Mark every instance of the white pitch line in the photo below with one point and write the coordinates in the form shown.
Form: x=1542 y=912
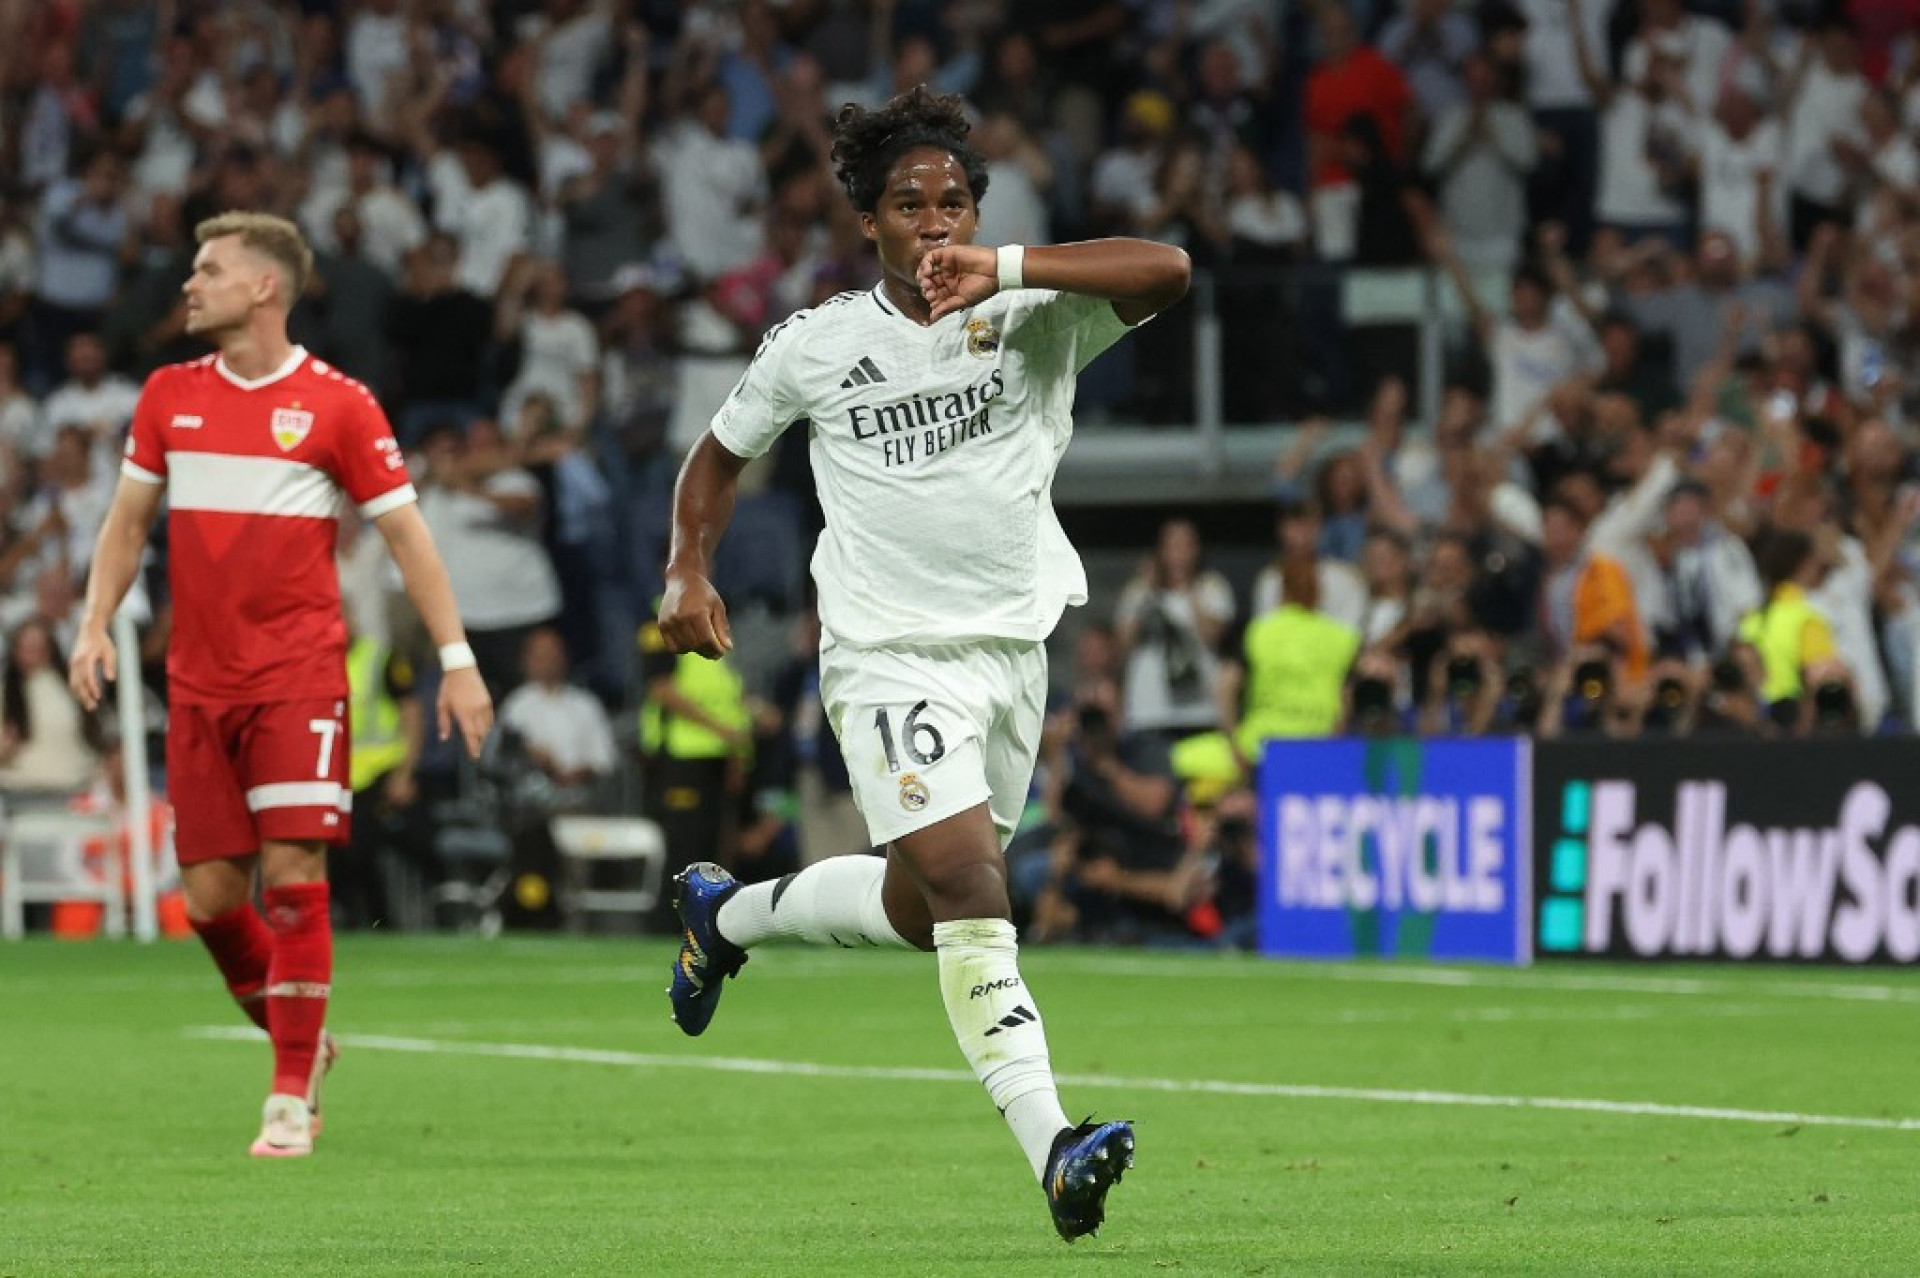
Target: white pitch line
x=1217 y=1087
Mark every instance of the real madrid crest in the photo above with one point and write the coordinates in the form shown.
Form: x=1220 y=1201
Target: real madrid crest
x=290 y=426
x=983 y=339
x=913 y=792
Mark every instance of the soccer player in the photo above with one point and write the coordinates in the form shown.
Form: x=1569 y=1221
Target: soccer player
x=938 y=406
x=258 y=446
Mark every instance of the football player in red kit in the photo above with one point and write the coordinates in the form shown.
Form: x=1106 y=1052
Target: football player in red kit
x=257 y=447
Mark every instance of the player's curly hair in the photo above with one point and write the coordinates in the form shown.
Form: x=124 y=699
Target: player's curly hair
x=866 y=144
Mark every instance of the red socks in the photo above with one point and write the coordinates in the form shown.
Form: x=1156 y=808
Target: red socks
x=298 y=980
x=242 y=947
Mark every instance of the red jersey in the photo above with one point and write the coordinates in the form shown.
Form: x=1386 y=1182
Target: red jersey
x=257 y=473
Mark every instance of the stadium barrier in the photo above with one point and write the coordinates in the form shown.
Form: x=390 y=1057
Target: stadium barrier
x=1793 y=851
x=1396 y=848
x=1497 y=850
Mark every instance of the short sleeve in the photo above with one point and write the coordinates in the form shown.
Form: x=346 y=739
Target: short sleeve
x=1084 y=324
x=766 y=399
x=368 y=462
x=146 y=456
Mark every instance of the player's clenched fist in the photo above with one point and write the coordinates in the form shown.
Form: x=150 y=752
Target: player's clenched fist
x=957 y=276
x=693 y=619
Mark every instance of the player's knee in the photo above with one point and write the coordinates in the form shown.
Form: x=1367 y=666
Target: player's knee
x=968 y=890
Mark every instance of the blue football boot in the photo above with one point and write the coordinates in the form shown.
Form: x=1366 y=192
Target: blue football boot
x=706 y=957
x=1086 y=1161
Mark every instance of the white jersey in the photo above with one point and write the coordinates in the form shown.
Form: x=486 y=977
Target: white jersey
x=934 y=449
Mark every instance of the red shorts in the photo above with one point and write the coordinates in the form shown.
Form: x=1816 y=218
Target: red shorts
x=237 y=774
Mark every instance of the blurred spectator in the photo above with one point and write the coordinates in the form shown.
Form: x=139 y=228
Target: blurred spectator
x=486 y=511
x=386 y=727
x=1824 y=98
x=355 y=296
x=376 y=49
x=1352 y=79
x=609 y=209
x=1433 y=43
x=1737 y=170
x=1721 y=305
x=48 y=744
x=1168 y=624
x=696 y=733
x=1338 y=589
x=147 y=326
x=1463 y=687
x=1122 y=189
x=75 y=488
x=1479 y=154
x=489 y=214
x=559 y=353
x=1648 y=121
x=58 y=120
x=561 y=728
x=1386 y=565
x=1020 y=175
x=1391 y=206
x=1587 y=598
x=83 y=225
x=440 y=333
x=1707 y=584
x=569 y=39
x=1292 y=678
x=1787 y=631
x=93 y=398
x=388 y=225
x=19 y=416
x=712 y=186
x=169 y=127
x=1564 y=58
x=579 y=534
x=1544 y=339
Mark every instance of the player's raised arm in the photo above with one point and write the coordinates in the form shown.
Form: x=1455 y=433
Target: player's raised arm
x=1140 y=277
x=692 y=616
x=463 y=695
x=116 y=560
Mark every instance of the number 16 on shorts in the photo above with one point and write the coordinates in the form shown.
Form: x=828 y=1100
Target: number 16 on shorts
x=917 y=737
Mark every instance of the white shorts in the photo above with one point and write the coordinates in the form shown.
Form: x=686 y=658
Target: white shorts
x=929 y=732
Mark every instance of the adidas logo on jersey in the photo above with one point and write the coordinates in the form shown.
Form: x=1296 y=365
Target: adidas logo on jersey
x=187 y=421
x=865 y=373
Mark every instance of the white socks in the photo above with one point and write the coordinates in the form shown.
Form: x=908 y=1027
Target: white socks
x=838 y=902
x=994 y=1017
x=832 y=902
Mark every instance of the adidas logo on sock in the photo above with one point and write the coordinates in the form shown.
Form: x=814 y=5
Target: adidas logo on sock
x=1021 y=1015
x=865 y=373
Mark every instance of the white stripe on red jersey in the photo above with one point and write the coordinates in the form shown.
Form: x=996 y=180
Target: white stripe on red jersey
x=259 y=471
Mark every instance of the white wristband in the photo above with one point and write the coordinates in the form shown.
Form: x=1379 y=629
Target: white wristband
x=1010 y=262
x=457 y=656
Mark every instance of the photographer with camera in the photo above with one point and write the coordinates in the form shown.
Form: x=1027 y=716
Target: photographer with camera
x=1168 y=623
x=1464 y=687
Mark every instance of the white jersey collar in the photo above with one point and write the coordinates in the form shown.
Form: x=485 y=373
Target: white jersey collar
x=294 y=359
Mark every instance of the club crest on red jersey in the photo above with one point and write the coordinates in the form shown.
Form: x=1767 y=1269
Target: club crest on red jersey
x=290 y=426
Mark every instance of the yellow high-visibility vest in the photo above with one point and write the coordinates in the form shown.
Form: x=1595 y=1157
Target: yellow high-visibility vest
x=1790 y=634
x=714 y=686
x=373 y=716
x=1297 y=662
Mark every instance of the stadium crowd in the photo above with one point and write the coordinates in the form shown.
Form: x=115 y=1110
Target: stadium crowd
x=1670 y=488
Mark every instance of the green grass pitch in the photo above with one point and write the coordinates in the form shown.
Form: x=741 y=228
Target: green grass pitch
x=524 y=1107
